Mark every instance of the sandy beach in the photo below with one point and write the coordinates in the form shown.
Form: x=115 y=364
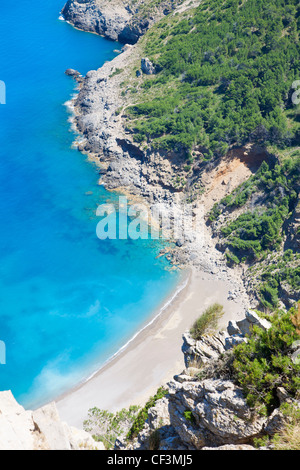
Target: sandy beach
x=154 y=356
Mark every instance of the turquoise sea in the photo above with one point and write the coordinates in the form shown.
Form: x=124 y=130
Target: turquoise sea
x=68 y=301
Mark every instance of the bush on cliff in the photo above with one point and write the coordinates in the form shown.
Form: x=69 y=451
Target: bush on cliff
x=208 y=322
x=264 y=363
x=106 y=427
x=139 y=422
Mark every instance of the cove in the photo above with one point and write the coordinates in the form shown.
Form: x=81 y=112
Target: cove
x=68 y=301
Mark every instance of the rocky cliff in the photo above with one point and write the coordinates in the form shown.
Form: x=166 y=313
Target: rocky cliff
x=41 y=429
x=197 y=413
x=204 y=408
x=115 y=19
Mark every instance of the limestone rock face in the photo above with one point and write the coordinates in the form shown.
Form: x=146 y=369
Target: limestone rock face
x=219 y=414
x=208 y=347
x=252 y=319
x=147 y=67
x=118 y=20
x=104 y=18
x=42 y=429
x=212 y=412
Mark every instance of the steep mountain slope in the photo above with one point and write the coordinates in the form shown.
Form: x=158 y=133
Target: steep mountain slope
x=202 y=112
x=205 y=89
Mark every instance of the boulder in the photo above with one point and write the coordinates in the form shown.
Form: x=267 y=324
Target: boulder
x=147 y=67
x=232 y=341
x=74 y=74
x=250 y=320
x=233 y=329
x=203 y=350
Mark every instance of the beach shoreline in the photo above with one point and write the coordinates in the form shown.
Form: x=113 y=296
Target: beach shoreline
x=153 y=356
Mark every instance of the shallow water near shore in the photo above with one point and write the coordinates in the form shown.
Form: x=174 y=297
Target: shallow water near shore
x=68 y=301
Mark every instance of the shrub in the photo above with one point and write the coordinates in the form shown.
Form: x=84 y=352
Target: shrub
x=139 y=422
x=264 y=363
x=116 y=72
x=289 y=437
x=208 y=321
x=189 y=416
x=154 y=440
x=107 y=427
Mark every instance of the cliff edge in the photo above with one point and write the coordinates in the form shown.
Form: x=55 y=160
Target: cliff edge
x=41 y=429
x=120 y=21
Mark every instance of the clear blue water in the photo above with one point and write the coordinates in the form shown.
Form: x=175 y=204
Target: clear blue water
x=68 y=300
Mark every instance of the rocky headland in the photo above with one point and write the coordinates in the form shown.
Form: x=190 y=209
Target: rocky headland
x=196 y=413
x=120 y=21
x=156 y=177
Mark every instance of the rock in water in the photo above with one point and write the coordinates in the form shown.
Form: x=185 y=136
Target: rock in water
x=74 y=74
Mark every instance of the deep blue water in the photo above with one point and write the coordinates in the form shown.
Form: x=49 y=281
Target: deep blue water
x=68 y=300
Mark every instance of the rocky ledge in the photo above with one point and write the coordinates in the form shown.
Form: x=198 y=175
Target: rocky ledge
x=210 y=412
x=117 y=20
x=41 y=429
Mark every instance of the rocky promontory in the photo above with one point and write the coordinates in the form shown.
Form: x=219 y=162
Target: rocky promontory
x=120 y=21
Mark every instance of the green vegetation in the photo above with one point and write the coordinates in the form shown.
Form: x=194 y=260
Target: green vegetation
x=208 y=322
x=154 y=440
x=139 y=422
x=256 y=231
x=189 y=416
x=226 y=74
x=107 y=427
x=148 y=8
x=226 y=70
x=117 y=71
x=264 y=363
x=258 y=234
x=289 y=437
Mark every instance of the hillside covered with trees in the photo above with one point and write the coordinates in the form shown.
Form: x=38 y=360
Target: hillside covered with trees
x=222 y=87
x=224 y=77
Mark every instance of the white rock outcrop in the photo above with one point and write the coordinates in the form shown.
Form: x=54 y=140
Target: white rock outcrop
x=42 y=429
